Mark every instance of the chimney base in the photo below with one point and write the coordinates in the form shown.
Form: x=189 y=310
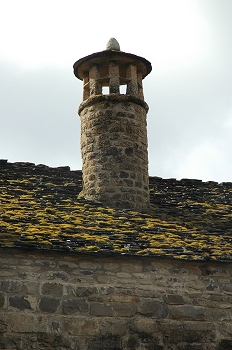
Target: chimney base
x=114 y=150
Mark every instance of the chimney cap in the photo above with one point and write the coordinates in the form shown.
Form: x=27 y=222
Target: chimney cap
x=113 y=45
x=103 y=58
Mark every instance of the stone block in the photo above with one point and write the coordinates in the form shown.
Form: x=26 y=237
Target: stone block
x=103 y=278
x=192 y=347
x=225 y=330
x=106 y=290
x=84 y=291
x=3 y=326
x=53 y=289
x=72 y=326
x=125 y=275
x=86 y=272
x=125 y=309
x=124 y=298
x=141 y=325
x=173 y=299
x=105 y=342
x=2 y=300
x=55 y=326
x=89 y=327
x=30 y=287
x=29 y=276
x=227 y=287
x=212 y=287
x=189 y=332
x=153 y=308
x=148 y=291
x=221 y=315
x=58 y=275
x=77 y=326
x=214 y=271
x=143 y=341
x=111 y=266
x=112 y=326
x=10 y=341
x=186 y=312
x=225 y=344
x=7 y=273
x=78 y=305
x=49 y=304
x=64 y=264
x=61 y=275
x=100 y=309
x=143 y=278
x=56 y=341
x=45 y=263
x=11 y=286
x=19 y=302
x=26 y=323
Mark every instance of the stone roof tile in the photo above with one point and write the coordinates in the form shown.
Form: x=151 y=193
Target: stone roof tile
x=41 y=208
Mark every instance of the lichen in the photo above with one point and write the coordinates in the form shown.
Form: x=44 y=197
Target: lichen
x=45 y=212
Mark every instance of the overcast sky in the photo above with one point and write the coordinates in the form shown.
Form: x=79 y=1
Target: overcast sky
x=189 y=91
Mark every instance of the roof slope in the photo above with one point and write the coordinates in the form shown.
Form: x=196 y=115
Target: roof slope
x=40 y=208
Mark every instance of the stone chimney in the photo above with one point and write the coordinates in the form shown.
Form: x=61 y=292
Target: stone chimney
x=114 y=128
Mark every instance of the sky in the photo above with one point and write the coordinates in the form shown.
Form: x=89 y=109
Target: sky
x=189 y=91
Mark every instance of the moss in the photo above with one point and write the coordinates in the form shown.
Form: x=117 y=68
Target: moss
x=45 y=216
x=91 y=248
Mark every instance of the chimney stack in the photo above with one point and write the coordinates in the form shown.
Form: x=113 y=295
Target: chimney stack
x=114 y=128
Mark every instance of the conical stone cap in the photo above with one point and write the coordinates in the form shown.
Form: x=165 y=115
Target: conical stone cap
x=113 y=45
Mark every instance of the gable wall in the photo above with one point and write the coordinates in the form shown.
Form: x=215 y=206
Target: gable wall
x=61 y=301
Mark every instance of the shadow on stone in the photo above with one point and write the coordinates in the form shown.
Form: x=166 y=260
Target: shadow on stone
x=105 y=342
x=225 y=345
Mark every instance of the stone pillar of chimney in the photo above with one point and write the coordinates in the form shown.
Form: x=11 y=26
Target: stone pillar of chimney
x=114 y=128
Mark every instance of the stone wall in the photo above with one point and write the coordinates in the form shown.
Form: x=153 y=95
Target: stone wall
x=114 y=150
x=61 y=301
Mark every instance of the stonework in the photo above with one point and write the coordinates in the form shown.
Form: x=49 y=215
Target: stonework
x=113 y=45
x=78 y=275
x=113 y=128
x=62 y=301
x=114 y=151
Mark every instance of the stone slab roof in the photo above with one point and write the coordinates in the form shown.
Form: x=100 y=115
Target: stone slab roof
x=40 y=208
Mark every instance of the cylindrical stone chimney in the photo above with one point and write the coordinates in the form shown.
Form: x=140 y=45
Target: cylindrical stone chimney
x=114 y=128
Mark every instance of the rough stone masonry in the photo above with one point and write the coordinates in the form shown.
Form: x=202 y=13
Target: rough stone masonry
x=114 y=128
x=62 y=301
